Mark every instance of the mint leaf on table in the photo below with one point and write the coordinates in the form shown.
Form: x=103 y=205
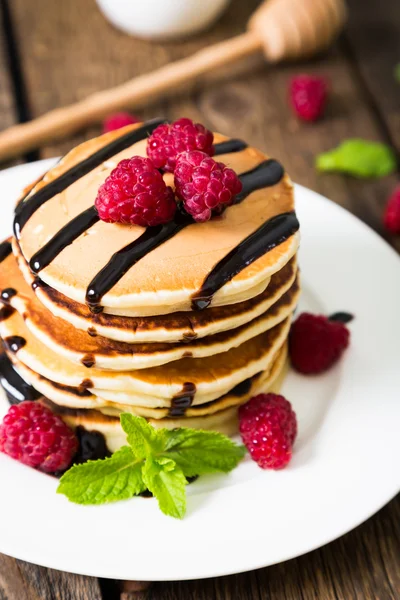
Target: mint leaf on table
x=199 y=452
x=397 y=72
x=156 y=459
x=360 y=158
x=97 y=482
x=167 y=483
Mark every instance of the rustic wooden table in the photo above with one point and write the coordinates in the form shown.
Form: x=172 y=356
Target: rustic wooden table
x=53 y=53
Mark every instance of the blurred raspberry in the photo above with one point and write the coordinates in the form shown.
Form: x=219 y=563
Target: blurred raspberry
x=206 y=187
x=135 y=192
x=308 y=96
x=391 y=218
x=117 y=121
x=32 y=434
x=169 y=140
x=316 y=343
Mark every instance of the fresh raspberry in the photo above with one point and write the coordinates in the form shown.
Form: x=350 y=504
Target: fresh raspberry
x=316 y=343
x=391 y=218
x=135 y=192
x=167 y=141
x=117 y=121
x=268 y=427
x=308 y=95
x=31 y=434
x=205 y=186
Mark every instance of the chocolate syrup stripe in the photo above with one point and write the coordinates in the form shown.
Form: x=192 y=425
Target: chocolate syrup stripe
x=5 y=250
x=266 y=174
x=16 y=388
x=125 y=258
x=271 y=233
x=68 y=234
x=28 y=207
x=229 y=146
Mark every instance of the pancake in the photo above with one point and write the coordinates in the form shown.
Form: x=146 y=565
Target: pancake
x=76 y=398
x=225 y=421
x=166 y=279
x=213 y=375
x=74 y=344
x=174 y=327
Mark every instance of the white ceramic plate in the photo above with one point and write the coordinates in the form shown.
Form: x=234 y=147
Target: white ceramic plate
x=346 y=460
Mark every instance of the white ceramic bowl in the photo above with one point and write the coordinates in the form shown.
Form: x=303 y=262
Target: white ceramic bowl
x=166 y=19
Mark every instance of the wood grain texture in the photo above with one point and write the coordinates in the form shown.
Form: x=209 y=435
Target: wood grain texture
x=7 y=105
x=72 y=52
x=373 y=37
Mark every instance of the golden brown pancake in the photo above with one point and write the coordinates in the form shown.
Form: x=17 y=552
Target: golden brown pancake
x=75 y=344
x=214 y=375
x=165 y=279
x=175 y=327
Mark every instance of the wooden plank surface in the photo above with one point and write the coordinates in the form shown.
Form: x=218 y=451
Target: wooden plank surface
x=68 y=52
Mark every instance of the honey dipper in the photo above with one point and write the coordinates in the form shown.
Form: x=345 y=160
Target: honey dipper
x=281 y=29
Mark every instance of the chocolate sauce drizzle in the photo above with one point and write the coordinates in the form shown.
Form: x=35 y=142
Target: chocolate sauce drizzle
x=92 y=446
x=342 y=317
x=6 y=312
x=14 y=343
x=7 y=294
x=16 y=388
x=267 y=173
x=182 y=401
x=271 y=233
x=68 y=234
x=88 y=361
x=29 y=206
x=229 y=146
x=125 y=258
x=5 y=250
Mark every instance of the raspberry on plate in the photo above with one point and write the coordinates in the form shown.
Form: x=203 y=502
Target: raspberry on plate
x=316 y=343
x=32 y=434
x=169 y=140
x=135 y=192
x=206 y=187
x=391 y=218
x=118 y=120
x=268 y=427
x=308 y=96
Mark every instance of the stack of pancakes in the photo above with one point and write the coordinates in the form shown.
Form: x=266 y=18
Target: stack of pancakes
x=178 y=325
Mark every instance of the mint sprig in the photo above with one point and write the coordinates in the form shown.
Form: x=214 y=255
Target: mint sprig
x=159 y=460
x=360 y=158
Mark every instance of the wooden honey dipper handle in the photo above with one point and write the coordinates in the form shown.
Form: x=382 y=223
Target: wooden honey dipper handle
x=282 y=29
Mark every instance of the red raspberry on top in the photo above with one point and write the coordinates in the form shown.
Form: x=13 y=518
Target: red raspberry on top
x=169 y=140
x=117 y=121
x=31 y=434
x=316 y=343
x=268 y=427
x=205 y=186
x=135 y=192
x=308 y=96
x=391 y=218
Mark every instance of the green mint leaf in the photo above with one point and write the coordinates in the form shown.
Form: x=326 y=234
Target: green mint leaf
x=397 y=72
x=99 y=481
x=198 y=452
x=168 y=484
x=142 y=437
x=359 y=158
